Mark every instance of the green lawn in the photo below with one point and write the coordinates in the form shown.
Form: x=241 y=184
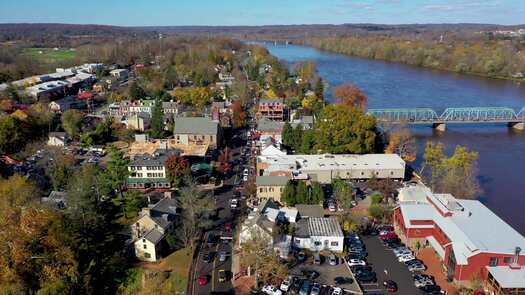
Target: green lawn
x=179 y=262
x=49 y=55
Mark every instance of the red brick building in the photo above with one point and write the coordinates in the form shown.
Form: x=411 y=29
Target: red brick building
x=271 y=109
x=469 y=238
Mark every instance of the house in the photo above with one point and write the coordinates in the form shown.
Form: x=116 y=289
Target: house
x=170 y=107
x=56 y=199
x=272 y=150
x=267 y=129
x=325 y=168
x=138 y=122
x=67 y=103
x=306 y=122
x=197 y=130
x=57 y=139
x=149 y=171
x=270 y=187
x=271 y=109
x=307 y=211
x=152 y=226
x=467 y=236
x=319 y=234
x=142 y=107
x=120 y=73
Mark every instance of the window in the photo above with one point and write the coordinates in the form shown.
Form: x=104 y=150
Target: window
x=147 y=255
x=261 y=190
x=493 y=261
x=334 y=244
x=145 y=246
x=507 y=260
x=144 y=240
x=362 y=173
x=317 y=243
x=391 y=172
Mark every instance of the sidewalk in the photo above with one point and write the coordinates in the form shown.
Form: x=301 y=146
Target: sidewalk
x=435 y=269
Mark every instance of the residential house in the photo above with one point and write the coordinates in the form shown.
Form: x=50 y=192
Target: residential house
x=142 y=107
x=56 y=199
x=270 y=187
x=271 y=109
x=138 y=122
x=152 y=226
x=120 y=73
x=319 y=234
x=307 y=211
x=197 y=130
x=67 y=103
x=306 y=122
x=148 y=171
x=268 y=128
x=327 y=167
x=57 y=139
x=467 y=236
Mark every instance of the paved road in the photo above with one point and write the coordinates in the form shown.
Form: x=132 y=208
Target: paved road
x=225 y=215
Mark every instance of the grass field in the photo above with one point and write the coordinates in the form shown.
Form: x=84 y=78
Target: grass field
x=49 y=55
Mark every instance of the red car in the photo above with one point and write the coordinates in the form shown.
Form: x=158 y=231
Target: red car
x=390 y=286
x=203 y=279
x=228 y=227
x=388 y=236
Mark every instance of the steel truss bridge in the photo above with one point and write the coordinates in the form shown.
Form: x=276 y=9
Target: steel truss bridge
x=451 y=116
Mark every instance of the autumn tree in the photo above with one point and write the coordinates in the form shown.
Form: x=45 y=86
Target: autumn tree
x=238 y=114
x=13 y=135
x=319 y=88
x=402 y=142
x=72 y=122
x=306 y=70
x=343 y=193
x=136 y=92
x=350 y=95
x=176 y=168
x=341 y=129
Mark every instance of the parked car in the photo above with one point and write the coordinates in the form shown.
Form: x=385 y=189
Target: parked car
x=316 y=289
x=203 y=279
x=305 y=288
x=337 y=291
x=388 y=236
x=366 y=277
x=207 y=257
x=246 y=172
x=361 y=268
x=405 y=258
x=332 y=206
x=222 y=256
x=301 y=256
x=390 y=286
x=403 y=253
x=222 y=276
x=311 y=274
x=317 y=258
x=355 y=262
x=430 y=288
x=245 y=178
x=343 y=280
x=360 y=256
x=332 y=259
x=271 y=290
x=421 y=280
x=234 y=203
x=228 y=227
x=285 y=285
x=416 y=267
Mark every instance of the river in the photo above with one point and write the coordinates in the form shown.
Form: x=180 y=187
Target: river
x=391 y=85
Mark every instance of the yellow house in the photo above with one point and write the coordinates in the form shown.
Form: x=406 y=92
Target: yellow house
x=270 y=187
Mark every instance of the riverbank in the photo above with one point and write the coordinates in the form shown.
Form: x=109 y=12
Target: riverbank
x=472 y=59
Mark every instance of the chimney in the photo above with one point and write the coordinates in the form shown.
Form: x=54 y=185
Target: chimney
x=516 y=259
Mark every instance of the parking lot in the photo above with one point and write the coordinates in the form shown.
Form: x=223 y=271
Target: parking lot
x=381 y=259
x=327 y=273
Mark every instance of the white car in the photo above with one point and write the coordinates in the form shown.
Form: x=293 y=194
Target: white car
x=245 y=172
x=356 y=262
x=245 y=178
x=406 y=258
x=403 y=253
x=337 y=291
x=332 y=207
x=285 y=285
x=234 y=203
x=271 y=290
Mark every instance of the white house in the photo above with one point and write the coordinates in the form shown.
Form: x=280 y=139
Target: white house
x=57 y=139
x=319 y=234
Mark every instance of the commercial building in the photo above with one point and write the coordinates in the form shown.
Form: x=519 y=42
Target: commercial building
x=271 y=109
x=270 y=129
x=326 y=167
x=149 y=170
x=197 y=130
x=270 y=187
x=319 y=234
x=468 y=237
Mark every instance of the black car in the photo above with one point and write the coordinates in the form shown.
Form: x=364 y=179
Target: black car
x=343 y=280
x=301 y=256
x=430 y=288
x=207 y=257
x=311 y=274
x=361 y=268
x=212 y=239
x=366 y=277
x=413 y=261
x=360 y=256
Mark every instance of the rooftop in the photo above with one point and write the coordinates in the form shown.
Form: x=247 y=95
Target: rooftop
x=158 y=158
x=154 y=236
x=195 y=125
x=271 y=180
x=267 y=125
x=507 y=277
x=306 y=211
x=324 y=226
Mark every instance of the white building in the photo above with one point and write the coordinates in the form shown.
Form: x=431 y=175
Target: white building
x=120 y=73
x=57 y=139
x=325 y=168
x=319 y=234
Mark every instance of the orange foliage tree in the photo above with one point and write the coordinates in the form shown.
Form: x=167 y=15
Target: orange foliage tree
x=350 y=95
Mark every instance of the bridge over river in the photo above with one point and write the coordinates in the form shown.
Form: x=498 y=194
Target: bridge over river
x=465 y=115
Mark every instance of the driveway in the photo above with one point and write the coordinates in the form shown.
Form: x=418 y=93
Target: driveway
x=381 y=259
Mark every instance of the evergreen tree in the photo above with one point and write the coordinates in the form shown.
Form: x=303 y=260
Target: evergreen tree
x=319 y=88
x=287 y=135
x=317 y=195
x=136 y=92
x=157 y=128
x=302 y=193
x=288 y=195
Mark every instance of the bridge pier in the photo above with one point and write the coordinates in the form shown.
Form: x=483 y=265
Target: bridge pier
x=439 y=126
x=517 y=125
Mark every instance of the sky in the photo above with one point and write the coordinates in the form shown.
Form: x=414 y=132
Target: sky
x=260 y=12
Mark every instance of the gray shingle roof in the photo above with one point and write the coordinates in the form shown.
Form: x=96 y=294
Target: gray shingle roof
x=195 y=125
x=271 y=180
x=157 y=159
x=165 y=206
x=306 y=211
x=267 y=125
x=154 y=236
